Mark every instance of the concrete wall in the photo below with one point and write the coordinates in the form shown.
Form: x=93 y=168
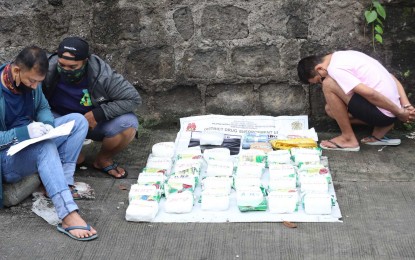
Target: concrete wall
x=234 y=57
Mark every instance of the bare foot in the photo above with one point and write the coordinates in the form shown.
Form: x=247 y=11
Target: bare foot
x=117 y=172
x=74 y=219
x=341 y=141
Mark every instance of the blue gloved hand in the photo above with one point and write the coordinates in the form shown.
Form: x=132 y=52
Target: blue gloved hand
x=36 y=129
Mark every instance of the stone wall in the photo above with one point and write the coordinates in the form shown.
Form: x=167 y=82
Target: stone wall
x=233 y=57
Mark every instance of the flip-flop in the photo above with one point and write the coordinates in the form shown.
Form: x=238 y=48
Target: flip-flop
x=113 y=167
x=339 y=148
x=382 y=141
x=66 y=232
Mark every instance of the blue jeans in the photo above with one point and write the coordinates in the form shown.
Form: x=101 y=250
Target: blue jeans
x=54 y=160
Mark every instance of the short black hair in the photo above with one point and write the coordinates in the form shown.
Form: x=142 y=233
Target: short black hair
x=306 y=67
x=33 y=57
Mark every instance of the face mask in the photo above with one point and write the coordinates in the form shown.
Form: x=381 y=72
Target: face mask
x=72 y=76
x=21 y=87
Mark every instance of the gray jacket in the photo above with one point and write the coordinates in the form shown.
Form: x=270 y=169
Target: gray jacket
x=111 y=94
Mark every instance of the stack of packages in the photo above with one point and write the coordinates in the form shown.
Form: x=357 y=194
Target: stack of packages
x=314 y=179
x=144 y=197
x=180 y=185
x=283 y=195
x=217 y=180
x=250 y=194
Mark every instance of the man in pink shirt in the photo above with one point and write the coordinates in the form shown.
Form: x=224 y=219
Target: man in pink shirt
x=358 y=90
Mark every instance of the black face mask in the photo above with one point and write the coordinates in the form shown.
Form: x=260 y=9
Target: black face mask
x=72 y=76
x=21 y=87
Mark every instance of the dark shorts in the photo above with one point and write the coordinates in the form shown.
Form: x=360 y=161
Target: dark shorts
x=362 y=109
x=113 y=127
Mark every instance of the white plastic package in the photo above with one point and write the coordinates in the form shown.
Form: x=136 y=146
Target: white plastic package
x=221 y=154
x=246 y=182
x=179 y=202
x=283 y=201
x=283 y=182
x=163 y=149
x=214 y=201
x=141 y=210
x=317 y=203
x=317 y=183
x=144 y=192
x=278 y=170
x=217 y=184
x=279 y=156
x=250 y=169
x=219 y=168
x=211 y=138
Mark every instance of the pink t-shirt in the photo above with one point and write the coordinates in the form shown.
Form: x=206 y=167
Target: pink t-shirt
x=350 y=68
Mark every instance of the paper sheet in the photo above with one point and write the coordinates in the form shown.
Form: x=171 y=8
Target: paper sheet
x=61 y=130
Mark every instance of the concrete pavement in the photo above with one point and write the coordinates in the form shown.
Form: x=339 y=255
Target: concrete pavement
x=374 y=187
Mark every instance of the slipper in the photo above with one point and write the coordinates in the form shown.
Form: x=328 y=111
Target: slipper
x=66 y=232
x=340 y=148
x=382 y=141
x=113 y=167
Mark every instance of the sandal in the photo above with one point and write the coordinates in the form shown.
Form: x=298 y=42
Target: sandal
x=113 y=167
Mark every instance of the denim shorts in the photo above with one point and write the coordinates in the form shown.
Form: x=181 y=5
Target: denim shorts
x=113 y=127
x=362 y=109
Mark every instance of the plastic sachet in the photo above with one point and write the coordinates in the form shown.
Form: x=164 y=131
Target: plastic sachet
x=253 y=155
x=148 y=192
x=241 y=183
x=316 y=183
x=295 y=151
x=214 y=200
x=318 y=203
x=250 y=169
x=160 y=163
x=211 y=138
x=283 y=201
x=278 y=157
x=314 y=170
x=251 y=199
x=306 y=159
x=190 y=153
x=283 y=182
x=179 y=202
x=218 y=184
x=163 y=149
x=220 y=154
x=219 y=168
x=141 y=210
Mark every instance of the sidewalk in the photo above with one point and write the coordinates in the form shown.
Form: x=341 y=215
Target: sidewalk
x=375 y=189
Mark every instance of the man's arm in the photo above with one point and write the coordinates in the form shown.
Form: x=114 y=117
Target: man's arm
x=379 y=100
x=403 y=97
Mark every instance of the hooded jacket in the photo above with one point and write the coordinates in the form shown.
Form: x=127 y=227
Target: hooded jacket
x=111 y=94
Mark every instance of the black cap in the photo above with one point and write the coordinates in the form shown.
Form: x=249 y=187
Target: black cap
x=76 y=46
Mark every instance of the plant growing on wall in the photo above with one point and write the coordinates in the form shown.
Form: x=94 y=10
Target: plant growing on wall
x=373 y=17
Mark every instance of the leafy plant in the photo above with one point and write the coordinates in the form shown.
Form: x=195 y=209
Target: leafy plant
x=373 y=17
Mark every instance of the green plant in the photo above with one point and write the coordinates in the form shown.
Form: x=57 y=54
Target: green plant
x=373 y=17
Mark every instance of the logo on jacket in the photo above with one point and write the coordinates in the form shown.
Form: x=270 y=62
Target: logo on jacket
x=86 y=99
